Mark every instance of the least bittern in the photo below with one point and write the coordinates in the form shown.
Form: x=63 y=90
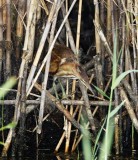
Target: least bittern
x=64 y=63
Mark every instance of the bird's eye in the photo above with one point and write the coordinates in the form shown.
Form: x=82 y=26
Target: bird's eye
x=78 y=69
x=63 y=60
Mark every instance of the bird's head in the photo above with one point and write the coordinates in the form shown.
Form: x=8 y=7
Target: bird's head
x=75 y=71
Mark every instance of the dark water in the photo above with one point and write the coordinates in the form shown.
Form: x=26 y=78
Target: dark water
x=44 y=155
x=48 y=140
x=41 y=155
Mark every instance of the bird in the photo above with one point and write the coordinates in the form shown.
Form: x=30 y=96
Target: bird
x=64 y=63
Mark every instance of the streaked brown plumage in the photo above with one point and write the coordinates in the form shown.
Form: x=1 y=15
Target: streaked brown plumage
x=64 y=63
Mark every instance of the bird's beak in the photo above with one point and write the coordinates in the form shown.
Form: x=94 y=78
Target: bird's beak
x=82 y=76
x=87 y=85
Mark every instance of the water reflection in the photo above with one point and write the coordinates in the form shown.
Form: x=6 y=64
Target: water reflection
x=127 y=155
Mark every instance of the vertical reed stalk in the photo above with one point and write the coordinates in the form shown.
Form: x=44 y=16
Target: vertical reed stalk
x=1 y=41
x=69 y=124
x=8 y=39
x=4 y=12
x=20 y=26
x=28 y=4
x=109 y=22
x=68 y=30
x=76 y=132
x=136 y=18
x=78 y=27
x=97 y=20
